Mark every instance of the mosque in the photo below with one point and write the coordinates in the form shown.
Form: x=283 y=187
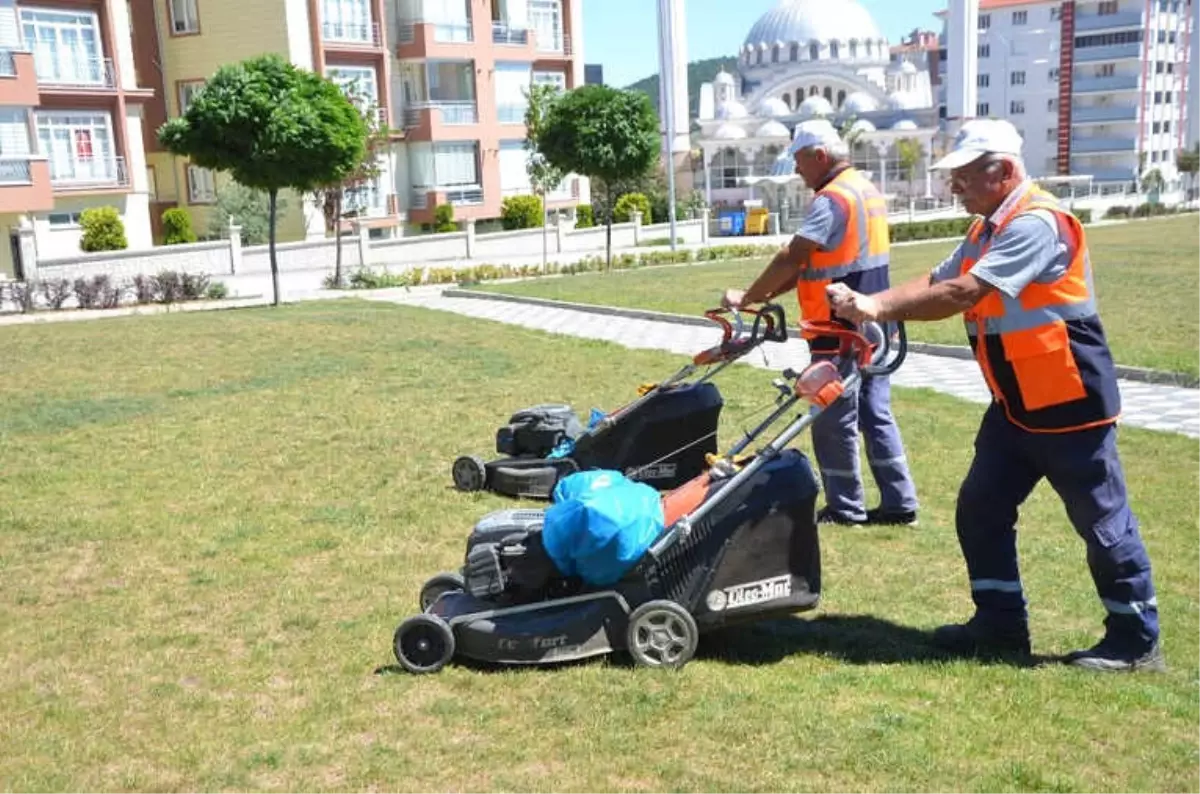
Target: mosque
x=807 y=59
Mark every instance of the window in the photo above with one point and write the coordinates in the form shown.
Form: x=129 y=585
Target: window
x=1016 y=78
x=545 y=17
x=1166 y=126
x=985 y=21
x=187 y=92
x=1055 y=14
x=1020 y=17
x=184 y=19
x=982 y=109
x=1109 y=39
x=1107 y=7
x=356 y=82
x=727 y=167
x=1171 y=37
x=1051 y=134
x=984 y=50
x=511 y=83
x=60 y=220
x=1052 y=75
x=1016 y=107
x=834 y=50
x=79 y=146
x=982 y=80
x=66 y=46
x=814 y=51
x=1158 y=97
x=1051 y=105
x=347 y=20
x=444 y=165
x=1106 y=70
x=1167 y=97
x=1156 y=127
x=14 y=132
x=853 y=49
x=201 y=189
x=758 y=58
x=795 y=53
x=557 y=79
x=1158 y=67
x=775 y=54
x=1154 y=157
x=1171 y=67
x=1162 y=37
x=514 y=178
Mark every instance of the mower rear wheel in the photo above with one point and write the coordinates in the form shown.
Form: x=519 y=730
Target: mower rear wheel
x=662 y=634
x=469 y=473
x=423 y=644
x=438 y=586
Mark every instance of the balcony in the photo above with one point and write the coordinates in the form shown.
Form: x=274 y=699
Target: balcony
x=1080 y=145
x=351 y=34
x=1088 y=23
x=16 y=171
x=448 y=113
x=25 y=184
x=457 y=195
x=88 y=173
x=552 y=45
x=510 y=114
x=8 y=63
x=1104 y=173
x=1113 y=52
x=1083 y=115
x=1120 y=82
x=69 y=72
x=415 y=35
x=503 y=34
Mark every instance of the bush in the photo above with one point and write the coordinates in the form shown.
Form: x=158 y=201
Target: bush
x=102 y=230
x=24 y=294
x=1084 y=216
x=217 y=291
x=1118 y=211
x=443 y=218
x=177 y=227
x=584 y=219
x=628 y=204
x=56 y=292
x=89 y=292
x=144 y=289
x=661 y=241
x=929 y=230
x=521 y=212
x=168 y=287
x=193 y=285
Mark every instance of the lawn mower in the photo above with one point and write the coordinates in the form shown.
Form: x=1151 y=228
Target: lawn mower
x=662 y=438
x=739 y=544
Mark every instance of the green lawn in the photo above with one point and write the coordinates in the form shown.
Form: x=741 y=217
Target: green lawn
x=211 y=524
x=1146 y=279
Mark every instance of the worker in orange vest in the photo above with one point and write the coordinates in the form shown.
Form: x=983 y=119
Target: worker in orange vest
x=843 y=239
x=1023 y=282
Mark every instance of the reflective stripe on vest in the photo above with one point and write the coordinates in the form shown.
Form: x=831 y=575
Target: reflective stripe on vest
x=864 y=245
x=1043 y=353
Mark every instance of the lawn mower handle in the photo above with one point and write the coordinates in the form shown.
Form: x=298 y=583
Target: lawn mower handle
x=871 y=345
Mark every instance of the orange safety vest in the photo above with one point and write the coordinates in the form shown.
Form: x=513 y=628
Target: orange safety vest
x=1044 y=355
x=864 y=246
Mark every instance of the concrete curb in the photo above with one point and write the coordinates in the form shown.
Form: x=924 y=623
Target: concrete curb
x=1139 y=374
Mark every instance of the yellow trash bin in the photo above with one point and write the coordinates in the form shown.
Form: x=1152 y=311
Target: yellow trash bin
x=756 y=220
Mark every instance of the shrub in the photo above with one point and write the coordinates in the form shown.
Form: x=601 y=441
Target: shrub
x=217 y=291
x=110 y=294
x=443 y=218
x=168 y=287
x=144 y=289
x=88 y=291
x=584 y=218
x=1084 y=216
x=661 y=241
x=24 y=294
x=1117 y=211
x=177 y=227
x=102 y=230
x=55 y=292
x=193 y=285
x=629 y=203
x=521 y=212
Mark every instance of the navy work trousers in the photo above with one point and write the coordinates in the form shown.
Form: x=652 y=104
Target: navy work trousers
x=1084 y=469
x=866 y=409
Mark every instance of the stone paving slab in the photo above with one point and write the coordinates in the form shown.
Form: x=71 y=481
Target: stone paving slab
x=1153 y=406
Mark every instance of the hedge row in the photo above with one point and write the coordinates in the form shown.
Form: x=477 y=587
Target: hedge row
x=1145 y=210
x=101 y=292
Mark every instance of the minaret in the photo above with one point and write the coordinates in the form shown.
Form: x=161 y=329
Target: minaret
x=962 y=28
x=672 y=56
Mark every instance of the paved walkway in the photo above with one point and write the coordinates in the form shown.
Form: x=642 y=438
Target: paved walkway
x=1157 y=407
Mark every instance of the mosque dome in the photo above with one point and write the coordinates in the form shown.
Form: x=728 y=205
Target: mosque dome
x=815 y=106
x=905 y=124
x=729 y=132
x=804 y=21
x=731 y=110
x=772 y=129
x=860 y=102
x=773 y=107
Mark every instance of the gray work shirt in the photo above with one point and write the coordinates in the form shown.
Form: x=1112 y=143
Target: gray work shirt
x=1029 y=249
x=825 y=223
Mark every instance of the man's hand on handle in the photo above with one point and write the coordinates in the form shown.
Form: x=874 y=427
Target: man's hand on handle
x=851 y=305
x=733 y=299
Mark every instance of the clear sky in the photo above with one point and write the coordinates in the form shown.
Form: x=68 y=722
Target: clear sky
x=621 y=34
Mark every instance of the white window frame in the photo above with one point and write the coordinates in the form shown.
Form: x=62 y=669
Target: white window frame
x=556 y=79
x=1020 y=17
x=201 y=184
x=365 y=78
x=1016 y=107
x=1016 y=78
x=99 y=141
x=66 y=44
x=546 y=17
x=982 y=109
x=187 y=93
x=347 y=20
x=14 y=132
x=185 y=17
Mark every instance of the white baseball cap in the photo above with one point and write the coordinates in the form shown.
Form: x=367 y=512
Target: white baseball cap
x=979 y=137
x=814 y=132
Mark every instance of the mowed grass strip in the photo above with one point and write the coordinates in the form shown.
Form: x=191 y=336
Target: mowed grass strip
x=1146 y=277
x=211 y=524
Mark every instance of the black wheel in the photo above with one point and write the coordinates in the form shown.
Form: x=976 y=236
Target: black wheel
x=469 y=473
x=661 y=634
x=423 y=644
x=439 y=585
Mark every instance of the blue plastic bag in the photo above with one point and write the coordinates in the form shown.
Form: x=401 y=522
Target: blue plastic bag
x=567 y=445
x=600 y=525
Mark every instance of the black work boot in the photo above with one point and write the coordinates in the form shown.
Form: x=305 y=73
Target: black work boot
x=1113 y=656
x=983 y=639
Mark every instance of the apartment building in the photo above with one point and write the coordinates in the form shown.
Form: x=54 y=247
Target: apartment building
x=1096 y=87
x=444 y=75
x=71 y=134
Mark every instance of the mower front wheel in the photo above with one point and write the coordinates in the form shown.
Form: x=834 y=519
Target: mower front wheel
x=469 y=473
x=423 y=644
x=662 y=633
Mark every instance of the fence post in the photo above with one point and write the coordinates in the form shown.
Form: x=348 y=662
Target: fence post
x=28 y=246
x=470 y=238
x=559 y=231
x=636 y=217
x=364 y=244
x=705 y=214
x=235 y=248
x=775 y=224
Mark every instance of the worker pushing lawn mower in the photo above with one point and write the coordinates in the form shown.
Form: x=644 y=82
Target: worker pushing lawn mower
x=614 y=565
